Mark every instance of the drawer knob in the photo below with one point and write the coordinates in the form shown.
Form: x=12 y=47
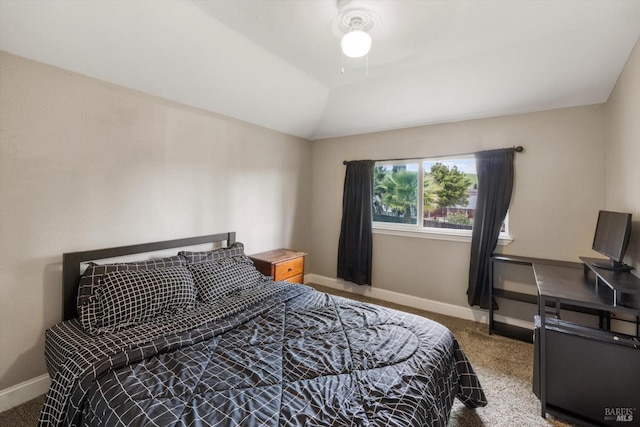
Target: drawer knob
x=290 y=269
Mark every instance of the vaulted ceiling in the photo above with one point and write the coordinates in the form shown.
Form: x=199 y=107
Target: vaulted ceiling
x=277 y=63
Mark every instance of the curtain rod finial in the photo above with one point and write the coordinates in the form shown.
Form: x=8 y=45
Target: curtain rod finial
x=519 y=149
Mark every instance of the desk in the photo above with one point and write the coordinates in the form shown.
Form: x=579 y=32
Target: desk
x=585 y=372
x=522 y=334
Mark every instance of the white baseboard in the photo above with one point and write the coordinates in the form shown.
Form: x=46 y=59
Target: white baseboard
x=23 y=392
x=468 y=313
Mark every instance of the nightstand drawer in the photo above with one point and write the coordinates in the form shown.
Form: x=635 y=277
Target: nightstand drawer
x=288 y=269
x=295 y=279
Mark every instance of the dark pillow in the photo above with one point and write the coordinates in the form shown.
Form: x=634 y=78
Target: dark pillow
x=219 y=278
x=128 y=298
x=87 y=303
x=234 y=249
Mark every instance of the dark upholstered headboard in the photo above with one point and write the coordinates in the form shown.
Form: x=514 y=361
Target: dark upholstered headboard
x=72 y=261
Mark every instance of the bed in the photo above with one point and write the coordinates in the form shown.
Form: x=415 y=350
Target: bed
x=202 y=338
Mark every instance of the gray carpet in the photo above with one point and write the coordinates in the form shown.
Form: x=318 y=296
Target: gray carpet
x=503 y=365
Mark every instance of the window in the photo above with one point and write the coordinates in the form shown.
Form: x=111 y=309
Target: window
x=395 y=193
x=437 y=195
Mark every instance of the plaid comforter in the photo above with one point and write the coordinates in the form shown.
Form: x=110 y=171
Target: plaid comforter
x=278 y=355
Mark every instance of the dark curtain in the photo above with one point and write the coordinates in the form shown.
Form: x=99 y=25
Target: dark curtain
x=354 y=248
x=495 y=184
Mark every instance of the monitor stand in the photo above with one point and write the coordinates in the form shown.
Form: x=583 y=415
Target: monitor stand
x=613 y=266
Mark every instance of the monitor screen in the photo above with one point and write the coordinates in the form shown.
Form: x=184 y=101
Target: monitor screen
x=612 y=234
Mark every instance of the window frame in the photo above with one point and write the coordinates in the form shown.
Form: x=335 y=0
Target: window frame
x=418 y=230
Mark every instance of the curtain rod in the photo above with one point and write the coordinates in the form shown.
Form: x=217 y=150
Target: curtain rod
x=518 y=149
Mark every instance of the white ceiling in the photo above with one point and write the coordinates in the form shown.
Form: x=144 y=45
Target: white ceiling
x=276 y=63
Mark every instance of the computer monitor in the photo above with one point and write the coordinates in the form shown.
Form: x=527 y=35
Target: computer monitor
x=611 y=238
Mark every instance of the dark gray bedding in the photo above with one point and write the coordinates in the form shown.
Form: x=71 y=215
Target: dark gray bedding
x=279 y=355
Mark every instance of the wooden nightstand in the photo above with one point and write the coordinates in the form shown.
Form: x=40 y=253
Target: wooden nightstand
x=281 y=264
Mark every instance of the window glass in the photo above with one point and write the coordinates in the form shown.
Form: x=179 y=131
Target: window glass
x=444 y=198
x=450 y=193
x=395 y=193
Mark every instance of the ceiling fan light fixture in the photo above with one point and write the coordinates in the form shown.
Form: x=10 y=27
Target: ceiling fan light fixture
x=357 y=20
x=356 y=43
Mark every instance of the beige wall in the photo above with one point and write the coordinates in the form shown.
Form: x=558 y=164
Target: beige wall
x=622 y=153
x=559 y=188
x=85 y=164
